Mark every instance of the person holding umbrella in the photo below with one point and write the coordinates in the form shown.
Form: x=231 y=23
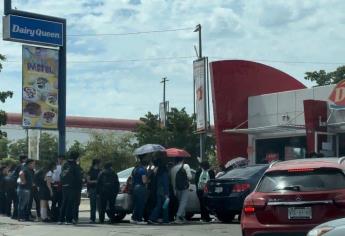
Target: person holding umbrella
x=180 y=177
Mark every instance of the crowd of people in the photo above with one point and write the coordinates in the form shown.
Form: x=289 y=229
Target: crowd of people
x=159 y=190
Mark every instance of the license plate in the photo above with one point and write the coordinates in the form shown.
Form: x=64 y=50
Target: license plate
x=218 y=189
x=299 y=213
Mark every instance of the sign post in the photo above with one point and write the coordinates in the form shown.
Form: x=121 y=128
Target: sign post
x=37 y=29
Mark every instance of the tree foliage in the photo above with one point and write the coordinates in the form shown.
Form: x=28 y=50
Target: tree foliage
x=109 y=147
x=179 y=133
x=3 y=97
x=48 y=148
x=3 y=147
x=17 y=148
x=326 y=78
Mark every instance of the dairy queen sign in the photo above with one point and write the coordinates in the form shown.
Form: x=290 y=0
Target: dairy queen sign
x=337 y=96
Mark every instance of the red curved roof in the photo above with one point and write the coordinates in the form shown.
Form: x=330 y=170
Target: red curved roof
x=86 y=122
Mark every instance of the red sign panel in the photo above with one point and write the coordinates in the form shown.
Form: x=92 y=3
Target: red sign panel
x=338 y=94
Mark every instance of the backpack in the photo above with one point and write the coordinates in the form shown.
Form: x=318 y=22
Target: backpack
x=39 y=178
x=110 y=182
x=181 y=180
x=203 y=179
x=67 y=174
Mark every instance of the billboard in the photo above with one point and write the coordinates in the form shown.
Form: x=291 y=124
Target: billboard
x=337 y=96
x=32 y=30
x=40 y=88
x=199 y=76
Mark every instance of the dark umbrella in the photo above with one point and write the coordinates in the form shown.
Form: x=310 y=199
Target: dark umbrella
x=148 y=148
x=175 y=152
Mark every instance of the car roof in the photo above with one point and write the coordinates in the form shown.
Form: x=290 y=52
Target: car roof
x=329 y=162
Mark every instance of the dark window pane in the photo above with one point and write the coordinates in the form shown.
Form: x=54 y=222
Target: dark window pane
x=318 y=180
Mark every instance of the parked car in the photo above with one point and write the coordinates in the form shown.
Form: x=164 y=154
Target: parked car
x=123 y=204
x=225 y=195
x=330 y=228
x=294 y=196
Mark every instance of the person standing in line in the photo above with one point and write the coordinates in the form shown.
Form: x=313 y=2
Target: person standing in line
x=92 y=176
x=10 y=185
x=139 y=178
x=180 y=177
x=108 y=187
x=57 y=190
x=3 y=174
x=15 y=176
x=162 y=193
x=70 y=181
x=46 y=190
x=79 y=188
x=202 y=176
x=34 y=196
x=25 y=181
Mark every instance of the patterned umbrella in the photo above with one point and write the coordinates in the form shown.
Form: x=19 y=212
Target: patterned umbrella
x=148 y=148
x=175 y=152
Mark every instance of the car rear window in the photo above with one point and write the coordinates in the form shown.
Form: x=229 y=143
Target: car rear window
x=313 y=180
x=244 y=172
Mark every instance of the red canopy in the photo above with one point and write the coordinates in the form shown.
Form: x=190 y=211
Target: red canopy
x=175 y=152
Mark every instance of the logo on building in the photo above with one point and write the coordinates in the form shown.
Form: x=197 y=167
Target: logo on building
x=338 y=95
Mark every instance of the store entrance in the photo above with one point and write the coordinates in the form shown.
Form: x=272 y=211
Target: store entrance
x=268 y=150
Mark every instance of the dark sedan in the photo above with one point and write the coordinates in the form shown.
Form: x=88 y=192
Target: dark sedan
x=225 y=195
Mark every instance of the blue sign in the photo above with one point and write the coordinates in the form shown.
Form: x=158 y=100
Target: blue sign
x=31 y=30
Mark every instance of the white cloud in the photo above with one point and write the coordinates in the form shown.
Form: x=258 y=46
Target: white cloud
x=271 y=30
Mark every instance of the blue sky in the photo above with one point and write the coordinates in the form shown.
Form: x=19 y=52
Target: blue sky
x=294 y=36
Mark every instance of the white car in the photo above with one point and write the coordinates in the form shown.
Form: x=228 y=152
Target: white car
x=123 y=204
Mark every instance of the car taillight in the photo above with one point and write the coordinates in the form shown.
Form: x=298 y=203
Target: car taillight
x=240 y=188
x=249 y=209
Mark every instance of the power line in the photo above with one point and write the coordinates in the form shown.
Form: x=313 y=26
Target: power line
x=282 y=61
x=124 y=60
x=129 y=33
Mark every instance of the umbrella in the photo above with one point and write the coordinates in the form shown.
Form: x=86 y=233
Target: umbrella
x=175 y=152
x=236 y=162
x=148 y=148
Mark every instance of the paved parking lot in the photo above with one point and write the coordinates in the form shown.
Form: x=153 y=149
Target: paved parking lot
x=195 y=228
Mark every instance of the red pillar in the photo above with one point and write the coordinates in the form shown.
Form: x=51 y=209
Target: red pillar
x=313 y=111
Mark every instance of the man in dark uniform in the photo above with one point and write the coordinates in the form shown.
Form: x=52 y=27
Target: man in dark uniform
x=108 y=188
x=92 y=188
x=71 y=180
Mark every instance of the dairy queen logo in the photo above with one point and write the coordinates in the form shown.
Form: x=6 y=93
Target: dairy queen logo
x=338 y=95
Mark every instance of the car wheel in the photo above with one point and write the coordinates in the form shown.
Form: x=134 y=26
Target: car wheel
x=119 y=216
x=189 y=216
x=226 y=217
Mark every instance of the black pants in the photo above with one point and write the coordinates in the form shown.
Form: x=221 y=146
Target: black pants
x=107 y=205
x=68 y=207
x=2 y=203
x=12 y=199
x=93 y=203
x=34 y=196
x=204 y=212
x=56 y=203
x=77 y=204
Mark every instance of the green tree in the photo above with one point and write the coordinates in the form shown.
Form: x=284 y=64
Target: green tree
x=179 y=133
x=326 y=78
x=48 y=148
x=3 y=147
x=78 y=147
x=109 y=147
x=17 y=148
x=3 y=97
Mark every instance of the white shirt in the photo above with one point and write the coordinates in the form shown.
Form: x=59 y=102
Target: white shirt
x=174 y=171
x=56 y=174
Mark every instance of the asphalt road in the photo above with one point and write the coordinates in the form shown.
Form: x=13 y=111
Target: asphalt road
x=194 y=228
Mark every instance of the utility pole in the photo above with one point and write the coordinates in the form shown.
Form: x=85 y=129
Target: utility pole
x=203 y=133
x=164 y=80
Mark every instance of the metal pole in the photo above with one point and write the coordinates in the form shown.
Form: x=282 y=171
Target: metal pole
x=164 y=80
x=7 y=7
x=62 y=95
